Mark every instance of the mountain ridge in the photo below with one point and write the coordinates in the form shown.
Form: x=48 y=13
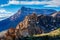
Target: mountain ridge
x=18 y=17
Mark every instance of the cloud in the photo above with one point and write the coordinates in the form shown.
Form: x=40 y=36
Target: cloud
x=13 y=2
x=4 y=5
x=10 y=2
x=52 y=3
x=5 y=14
x=1 y=11
x=51 y=6
x=4 y=11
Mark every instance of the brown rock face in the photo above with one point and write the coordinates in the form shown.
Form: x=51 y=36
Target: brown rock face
x=10 y=35
x=29 y=26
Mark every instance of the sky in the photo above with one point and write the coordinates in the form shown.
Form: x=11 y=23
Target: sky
x=10 y=7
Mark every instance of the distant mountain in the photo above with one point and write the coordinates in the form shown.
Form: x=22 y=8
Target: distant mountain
x=20 y=15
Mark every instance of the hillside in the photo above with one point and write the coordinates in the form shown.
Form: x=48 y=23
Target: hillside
x=52 y=33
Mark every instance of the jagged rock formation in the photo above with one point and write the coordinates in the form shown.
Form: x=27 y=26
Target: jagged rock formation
x=29 y=26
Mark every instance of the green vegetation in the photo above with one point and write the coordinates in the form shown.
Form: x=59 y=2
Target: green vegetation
x=54 y=35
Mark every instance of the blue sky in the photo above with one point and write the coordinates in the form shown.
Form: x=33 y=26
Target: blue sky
x=10 y=7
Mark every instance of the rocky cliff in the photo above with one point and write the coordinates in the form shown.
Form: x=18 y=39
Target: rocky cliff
x=29 y=26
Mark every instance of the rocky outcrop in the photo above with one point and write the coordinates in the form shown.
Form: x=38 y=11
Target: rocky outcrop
x=29 y=26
